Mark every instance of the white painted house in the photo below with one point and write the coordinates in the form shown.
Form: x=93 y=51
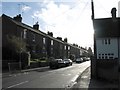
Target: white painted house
x=106 y=60
x=107 y=46
x=107 y=36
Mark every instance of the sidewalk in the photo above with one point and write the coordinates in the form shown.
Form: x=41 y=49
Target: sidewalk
x=85 y=82
x=8 y=74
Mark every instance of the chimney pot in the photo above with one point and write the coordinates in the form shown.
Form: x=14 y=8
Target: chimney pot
x=36 y=26
x=113 y=12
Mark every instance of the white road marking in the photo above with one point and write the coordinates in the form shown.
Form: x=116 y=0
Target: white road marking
x=17 y=84
x=66 y=74
x=69 y=74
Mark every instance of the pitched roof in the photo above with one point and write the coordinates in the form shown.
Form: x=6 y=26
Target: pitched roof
x=107 y=27
x=36 y=31
x=29 y=28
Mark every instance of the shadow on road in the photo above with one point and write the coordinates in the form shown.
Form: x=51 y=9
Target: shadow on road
x=85 y=82
x=103 y=85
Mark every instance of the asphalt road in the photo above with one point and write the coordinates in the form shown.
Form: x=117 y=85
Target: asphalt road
x=51 y=78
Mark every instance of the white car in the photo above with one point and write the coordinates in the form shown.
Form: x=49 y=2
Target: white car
x=67 y=62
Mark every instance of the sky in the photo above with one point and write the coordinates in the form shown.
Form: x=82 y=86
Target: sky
x=69 y=19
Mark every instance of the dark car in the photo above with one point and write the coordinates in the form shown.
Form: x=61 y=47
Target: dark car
x=56 y=63
x=79 y=60
x=67 y=62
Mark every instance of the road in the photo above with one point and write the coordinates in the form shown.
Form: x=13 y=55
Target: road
x=51 y=78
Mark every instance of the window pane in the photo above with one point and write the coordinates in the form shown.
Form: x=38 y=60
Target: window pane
x=65 y=47
x=43 y=40
x=33 y=37
x=51 y=42
x=25 y=32
x=108 y=41
x=105 y=41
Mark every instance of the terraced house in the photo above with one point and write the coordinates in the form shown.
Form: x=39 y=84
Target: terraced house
x=31 y=43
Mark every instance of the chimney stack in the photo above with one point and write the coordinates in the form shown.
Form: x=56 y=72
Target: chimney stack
x=36 y=26
x=18 y=18
x=113 y=13
x=59 y=38
x=50 y=33
x=65 y=40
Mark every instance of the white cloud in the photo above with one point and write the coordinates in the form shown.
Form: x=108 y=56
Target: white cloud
x=103 y=7
x=68 y=22
x=73 y=21
x=25 y=8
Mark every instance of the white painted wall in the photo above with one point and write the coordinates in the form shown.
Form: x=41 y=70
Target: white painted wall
x=111 y=48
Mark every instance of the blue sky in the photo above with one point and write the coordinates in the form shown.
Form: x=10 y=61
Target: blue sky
x=65 y=18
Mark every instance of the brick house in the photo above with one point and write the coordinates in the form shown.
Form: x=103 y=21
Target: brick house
x=38 y=43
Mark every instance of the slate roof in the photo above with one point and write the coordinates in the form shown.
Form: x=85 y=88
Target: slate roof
x=106 y=27
x=29 y=28
x=33 y=30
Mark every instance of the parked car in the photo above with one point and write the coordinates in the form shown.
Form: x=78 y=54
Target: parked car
x=67 y=62
x=88 y=59
x=79 y=60
x=56 y=63
x=85 y=59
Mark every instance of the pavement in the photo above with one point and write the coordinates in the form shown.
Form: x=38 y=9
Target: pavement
x=8 y=74
x=85 y=82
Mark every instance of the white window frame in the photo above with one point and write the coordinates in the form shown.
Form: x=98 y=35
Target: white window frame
x=25 y=33
x=44 y=39
x=65 y=47
x=106 y=41
x=68 y=47
x=52 y=42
